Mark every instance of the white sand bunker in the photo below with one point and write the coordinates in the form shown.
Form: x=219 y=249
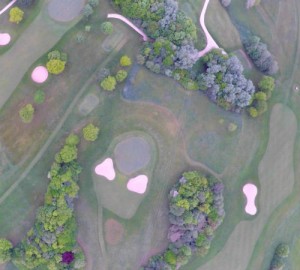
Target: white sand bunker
x=65 y=10
x=132 y=155
x=4 y=39
x=138 y=184
x=106 y=169
x=39 y=74
x=250 y=192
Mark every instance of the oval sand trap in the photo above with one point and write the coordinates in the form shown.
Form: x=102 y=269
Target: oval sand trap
x=4 y=39
x=138 y=184
x=106 y=169
x=250 y=192
x=65 y=10
x=132 y=154
x=39 y=74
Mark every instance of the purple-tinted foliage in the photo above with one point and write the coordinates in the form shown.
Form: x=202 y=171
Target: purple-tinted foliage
x=68 y=257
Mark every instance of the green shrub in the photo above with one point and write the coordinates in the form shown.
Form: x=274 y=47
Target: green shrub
x=125 y=61
x=16 y=15
x=26 y=113
x=90 y=132
x=107 y=28
x=55 y=66
x=109 y=83
x=39 y=96
x=5 y=250
x=121 y=75
x=170 y=257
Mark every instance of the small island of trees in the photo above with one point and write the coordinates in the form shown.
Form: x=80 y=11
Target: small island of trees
x=196 y=210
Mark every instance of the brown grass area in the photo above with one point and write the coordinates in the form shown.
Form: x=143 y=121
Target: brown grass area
x=114 y=232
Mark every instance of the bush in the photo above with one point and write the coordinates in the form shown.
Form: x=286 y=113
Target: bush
x=55 y=66
x=107 y=28
x=16 y=15
x=267 y=83
x=121 y=75
x=109 y=83
x=26 y=113
x=260 y=96
x=170 y=257
x=125 y=61
x=54 y=55
x=39 y=96
x=90 y=132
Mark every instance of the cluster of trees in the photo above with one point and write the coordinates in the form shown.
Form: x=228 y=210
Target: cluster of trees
x=224 y=82
x=172 y=31
x=259 y=54
x=259 y=103
x=56 y=62
x=281 y=253
x=16 y=15
x=51 y=243
x=109 y=82
x=196 y=210
x=88 y=9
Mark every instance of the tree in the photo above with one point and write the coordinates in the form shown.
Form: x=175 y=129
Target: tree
x=282 y=250
x=121 y=75
x=170 y=257
x=90 y=132
x=87 y=11
x=55 y=66
x=16 y=15
x=260 y=95
x=72 y=139
x=267 y=83
x=125 y=61
x=5 y=250
x=94 y=3
x=109 y=83
x=26 y=113
x=39 y=96
x=68 y=153
x=107 y=28
x=253 y=112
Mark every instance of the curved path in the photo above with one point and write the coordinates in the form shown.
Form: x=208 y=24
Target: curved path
x=125 y=20
x=8 y=6
x=211 y=44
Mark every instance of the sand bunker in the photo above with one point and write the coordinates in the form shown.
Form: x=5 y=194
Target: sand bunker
x=250 y=192
x=132 y=154
x=65 y=10
x=114 y=232
x=39 y=74
x=4 y=39
x=106 y=169
x=138 y=184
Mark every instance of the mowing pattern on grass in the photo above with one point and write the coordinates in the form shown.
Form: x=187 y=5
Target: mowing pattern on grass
x=276 y=177
x=65 y=10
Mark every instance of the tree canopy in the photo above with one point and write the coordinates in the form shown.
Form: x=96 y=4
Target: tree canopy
x=16 y=15
x=26 y=113
x=55 y=66
x=109 y=83
x=5 y=250
x=107 y=28
x=90 y=132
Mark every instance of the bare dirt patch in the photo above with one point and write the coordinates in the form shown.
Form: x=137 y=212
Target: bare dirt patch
x=65 y=10
x=114 y=232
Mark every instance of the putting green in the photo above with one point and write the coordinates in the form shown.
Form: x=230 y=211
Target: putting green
x=114 y=195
